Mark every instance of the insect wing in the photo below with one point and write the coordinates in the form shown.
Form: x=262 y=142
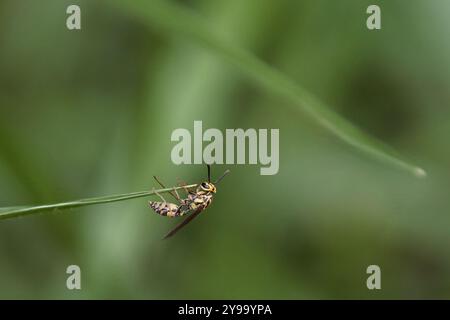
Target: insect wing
x=184 y=222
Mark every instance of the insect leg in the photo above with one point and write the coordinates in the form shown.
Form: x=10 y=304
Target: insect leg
x=178 y=196
x=175 y=195
x=183 y=184
x=164 y=200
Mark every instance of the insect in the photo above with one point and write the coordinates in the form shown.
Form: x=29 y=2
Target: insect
x=191 y=206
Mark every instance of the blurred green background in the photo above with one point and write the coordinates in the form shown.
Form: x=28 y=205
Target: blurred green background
x=90 y=113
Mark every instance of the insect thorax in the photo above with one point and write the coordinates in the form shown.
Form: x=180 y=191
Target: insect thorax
x=201 y=198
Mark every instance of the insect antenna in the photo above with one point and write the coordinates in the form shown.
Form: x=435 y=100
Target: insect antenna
x=209 y=172
x=223 y=175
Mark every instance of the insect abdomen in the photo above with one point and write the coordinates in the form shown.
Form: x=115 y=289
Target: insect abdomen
x=165 y=208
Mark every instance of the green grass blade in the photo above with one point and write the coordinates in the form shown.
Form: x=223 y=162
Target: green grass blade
x=175 y=19
x=13 y=212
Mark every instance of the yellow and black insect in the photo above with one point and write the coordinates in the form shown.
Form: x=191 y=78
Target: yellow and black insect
x=195 y=202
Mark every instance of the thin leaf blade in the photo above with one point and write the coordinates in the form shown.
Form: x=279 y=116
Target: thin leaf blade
x=13 y=212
